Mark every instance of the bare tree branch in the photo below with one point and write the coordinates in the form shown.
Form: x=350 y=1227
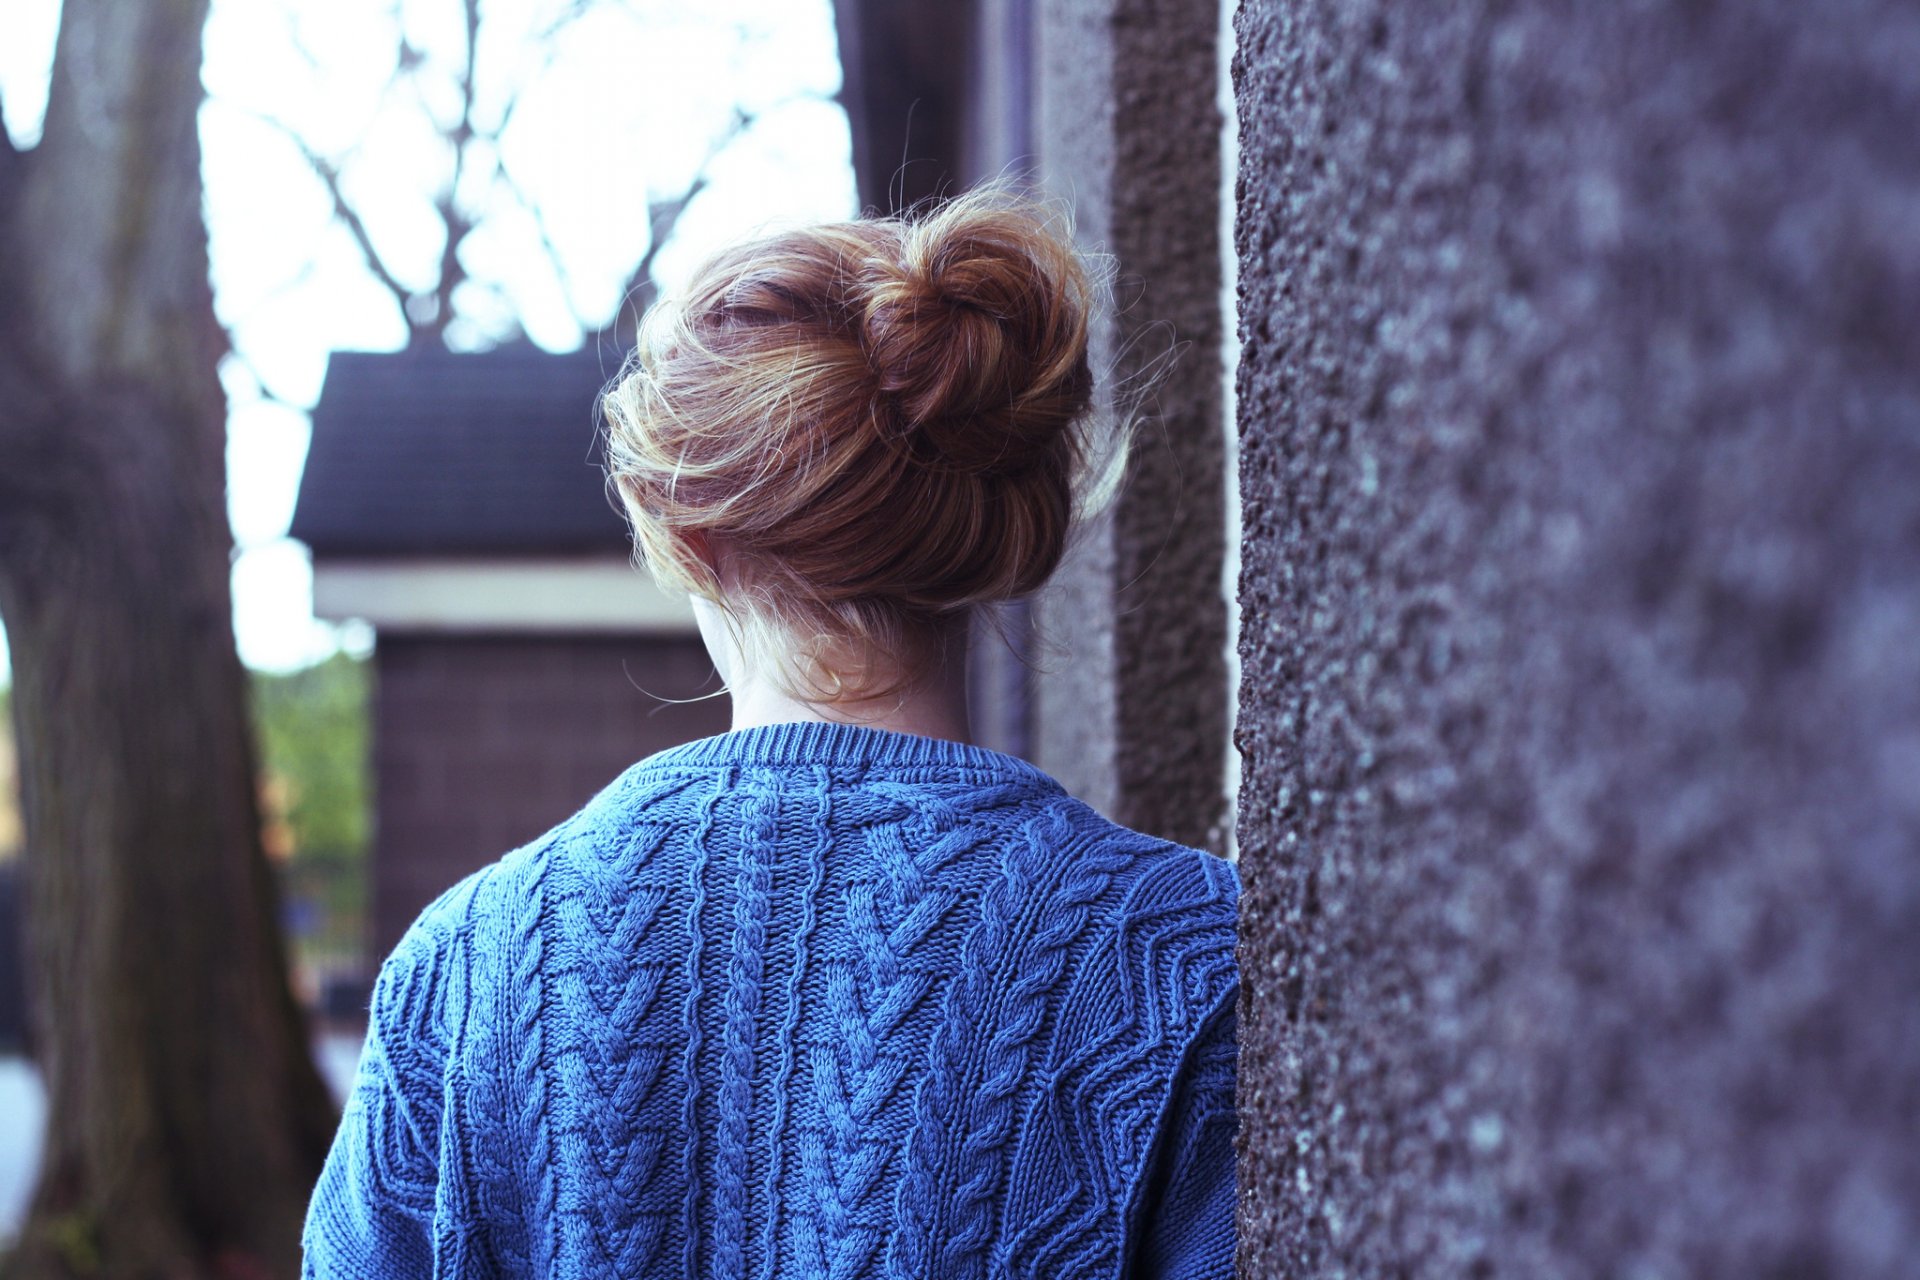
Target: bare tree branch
x=428 y=313
x=663 y=216
x=343 y=209
x=292 y=282
x=539 y=217
x=508 y=320
x=457 y=224
x=565 y=18
x=298 y=41
x=637 y=295
x=513 y=103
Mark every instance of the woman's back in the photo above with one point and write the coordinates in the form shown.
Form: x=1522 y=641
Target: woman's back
x=800 y=1000
x=836 y=993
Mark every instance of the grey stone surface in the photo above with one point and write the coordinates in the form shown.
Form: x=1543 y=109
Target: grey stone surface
x=1580 y=412
x=1131 y=706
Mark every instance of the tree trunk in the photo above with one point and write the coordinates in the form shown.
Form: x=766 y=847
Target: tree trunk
x=186 y=1119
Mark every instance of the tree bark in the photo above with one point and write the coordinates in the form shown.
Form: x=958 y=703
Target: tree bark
x=186 y=1119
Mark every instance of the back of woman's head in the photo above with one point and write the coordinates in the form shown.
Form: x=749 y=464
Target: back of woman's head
x=870 y=427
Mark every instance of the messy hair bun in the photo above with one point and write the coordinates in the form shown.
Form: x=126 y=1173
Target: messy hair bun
x=878 y=422
x=977 y=338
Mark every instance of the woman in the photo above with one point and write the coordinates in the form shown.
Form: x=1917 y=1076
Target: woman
x=837 y=992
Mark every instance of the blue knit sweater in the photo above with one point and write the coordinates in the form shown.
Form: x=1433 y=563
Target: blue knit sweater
x=803 y=1000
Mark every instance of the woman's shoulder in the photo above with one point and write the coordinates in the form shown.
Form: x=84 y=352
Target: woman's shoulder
x=1131 y=876
x=1150 y=924
x=474 y=935
x=473 y=903
x=1157 y=876
x=1142 y=1020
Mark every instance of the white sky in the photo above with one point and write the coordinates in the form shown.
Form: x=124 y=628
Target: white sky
x=628 y=106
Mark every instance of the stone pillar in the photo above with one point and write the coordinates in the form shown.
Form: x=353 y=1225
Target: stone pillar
x=905 y=82
x=1131 y=706
x=1580 y=471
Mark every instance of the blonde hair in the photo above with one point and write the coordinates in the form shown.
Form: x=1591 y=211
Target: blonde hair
x=883 y=423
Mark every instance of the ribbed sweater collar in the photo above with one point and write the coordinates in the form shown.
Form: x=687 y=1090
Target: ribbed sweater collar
x=809 y=742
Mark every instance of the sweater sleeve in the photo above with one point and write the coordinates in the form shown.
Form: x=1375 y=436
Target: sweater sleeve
x=1187 y=1207
x=371 y=1214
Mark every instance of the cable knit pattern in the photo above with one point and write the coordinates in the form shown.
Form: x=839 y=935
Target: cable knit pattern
x=803 y=1000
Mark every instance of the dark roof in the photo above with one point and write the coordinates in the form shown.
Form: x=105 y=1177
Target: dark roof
x=429 y=451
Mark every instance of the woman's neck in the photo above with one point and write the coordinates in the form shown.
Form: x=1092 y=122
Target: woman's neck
x=935 y=709
x=933 y=704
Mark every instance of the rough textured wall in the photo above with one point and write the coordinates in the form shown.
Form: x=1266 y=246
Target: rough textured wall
x=1131 y=711
x=1580 y=411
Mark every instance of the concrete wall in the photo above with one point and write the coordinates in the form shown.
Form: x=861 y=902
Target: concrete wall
x=1131 y=703
x=481 y=743
x=1580 y=465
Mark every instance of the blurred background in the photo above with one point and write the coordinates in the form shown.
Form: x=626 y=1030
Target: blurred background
x=475 y=200
x=1517 y=576
x=471 y=204
x=428 y=227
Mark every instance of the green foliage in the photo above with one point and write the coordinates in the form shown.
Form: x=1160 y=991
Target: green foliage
x=312 y=727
